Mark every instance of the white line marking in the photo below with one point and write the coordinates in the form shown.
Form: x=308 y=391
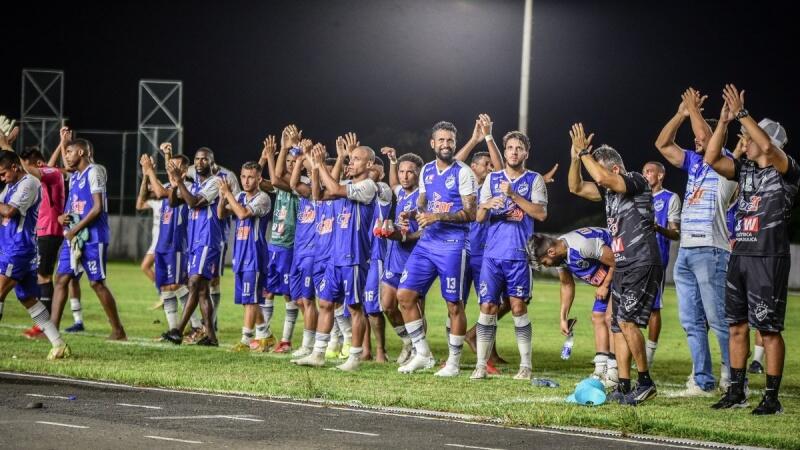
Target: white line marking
x=584 y=432
x=61 y=397
x=138 y=406
x=350 y=432
x=173 y=439
x=211 y=416
x=60 y=424
x=470 y=446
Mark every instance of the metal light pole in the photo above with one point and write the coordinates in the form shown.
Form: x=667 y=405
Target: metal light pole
x=525 y=73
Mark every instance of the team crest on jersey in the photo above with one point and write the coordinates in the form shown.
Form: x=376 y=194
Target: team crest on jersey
x=658 y=205
x=629 y=301
x=483 y=289
x=389 y=274
x=523 y=189
x=404 y=276
x=82 y=183
x=612 y=225
x=761 y=311
x=583 y=264
x=450 y=182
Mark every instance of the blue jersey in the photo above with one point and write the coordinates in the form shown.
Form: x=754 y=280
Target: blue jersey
x=381 y=206
x=172 y=226
x=477 y=236
x=397 y=252
x=18 y=233
x=305 y=228
x=443 y=190
x=666 y=208
x=584 y=248
x=205 y=228
x=80 y=200
x=509 y=227
x=249 y=245
x=323 y=230
x=353 y=226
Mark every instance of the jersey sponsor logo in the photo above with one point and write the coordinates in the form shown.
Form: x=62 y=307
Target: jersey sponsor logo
x=658 y=205
x=584 y=231
x=389 y=274
x=515 y=215
x=450 y=182
x=307 y=215
x=750 y=224
x=242 y=232
x=752 y=205
x=523 y=188
x=78 y=205
x=617 y=246
x=598 y=277
x=166 y=215
x=439 y=206
x=282 y=213
x=343 y=219
x=429 y=179
x=325 y=226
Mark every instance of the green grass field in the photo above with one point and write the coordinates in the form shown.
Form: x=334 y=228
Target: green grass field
x=142 y=361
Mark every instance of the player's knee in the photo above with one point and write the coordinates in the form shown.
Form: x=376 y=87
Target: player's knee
x=519 y=308
x=406 y=298
x=326 y=306
x=97 y=284
x=455 y=308
x=769 y=337
x=599 y=319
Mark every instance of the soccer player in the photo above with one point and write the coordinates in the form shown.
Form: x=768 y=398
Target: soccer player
x=758 y=270
x=204 y=240
x=584 y=253
x=19 y=202
x=147 y=200
x=86 y=240
x=636 y=280
x=445 y=206
x=510 y=200
x=667 y=210
x=344 y=279
x=250 y=209
x=702 y=259
x=169 y=251
x=404 y=182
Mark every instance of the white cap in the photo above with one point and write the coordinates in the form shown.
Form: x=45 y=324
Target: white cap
x=776 y=132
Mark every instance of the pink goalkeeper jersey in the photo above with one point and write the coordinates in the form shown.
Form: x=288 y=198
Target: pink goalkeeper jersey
x=52 y=203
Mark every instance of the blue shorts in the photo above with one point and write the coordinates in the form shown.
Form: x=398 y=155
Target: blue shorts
x=600 y=305
x=170 y=268
x=473 y=274
x=247 y=287
x=301 y=278
x=319 y=273
x=204 y=261
x=343 y=284
x=503 y=278
x=372 y=289
x=391 y=278
x=23 y=271
x=92 y=261
x=449 y=263
x=278 y=269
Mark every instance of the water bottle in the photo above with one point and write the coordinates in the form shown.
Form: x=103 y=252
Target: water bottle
x=566 y=351
x=544 y=382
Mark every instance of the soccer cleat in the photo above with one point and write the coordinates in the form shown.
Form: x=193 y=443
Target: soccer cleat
x=75 y=328
x=694 y=390
x=313 y=360
x=333 y=351
x=207 y=342
x=405 y=354
x=479 y=373
x=491 y=369
x=59 y=352
x=611 y=379
x=731 y=400
x=524 y=373
x=418 y=362
x=755 y=367
x=33 y=332
x=262 y=345
x=195 y=335
x=240 y=347
x=447 y=371
x=283 y=347
x=301 y=352
x=617 y=395
x=639 y=395
x=768 y=406
x=350 y=365
x=173 y=336
x=345 y=352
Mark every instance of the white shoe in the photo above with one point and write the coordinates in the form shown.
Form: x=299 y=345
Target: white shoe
x=479 y=373
x=611 y=379
x=693 y=390
x=524 y=373
x=418 y=362
x=301 y=352
x=405 y=354
x=351 y=364
x=724 y=384
x=447 y=371
x=312 y=360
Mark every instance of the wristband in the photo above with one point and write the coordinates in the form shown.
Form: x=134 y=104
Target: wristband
x=488 y=138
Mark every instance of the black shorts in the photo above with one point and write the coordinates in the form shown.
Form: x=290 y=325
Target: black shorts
x=48 y=253
x=632 y=293
x=756 y=291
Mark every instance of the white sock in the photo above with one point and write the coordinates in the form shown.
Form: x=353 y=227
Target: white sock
x=522 y=328
x=355 y=352
x=77 y=312
x=170 y=308
x=266 y=312
x=41 y=318
x=611 y=363
x=455 y=345
x=336 y=334
x=261 y=331
x=247 y=335
x=758 y=354
x=485 y=333
x=417 y=333
x=214 y=293
x=600 y=362
x=321 y=342
x=447 y=328
x=345 y=325
x=650 y=350
x=289 y=320
x=308 y=338
x=402 y=334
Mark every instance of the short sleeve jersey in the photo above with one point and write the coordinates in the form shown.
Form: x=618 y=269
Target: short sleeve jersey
x=80 y=200
x=443 y=190
x=764 y=208
x=352 y=230
x=172 y=225
x=667 y=208
x=397 y=253
x=323 y=229
x=630 y=221
x=18 y=233
x=205 y=228
x=249 y=246
x=584 y=249
x=305 y=225
x=382 y=205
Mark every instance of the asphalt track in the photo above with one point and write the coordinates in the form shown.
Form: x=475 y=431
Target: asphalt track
x=105 y=415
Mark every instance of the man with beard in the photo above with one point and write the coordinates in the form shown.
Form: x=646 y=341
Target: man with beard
x=510 y=201
x=445 y=206
x=204 y=242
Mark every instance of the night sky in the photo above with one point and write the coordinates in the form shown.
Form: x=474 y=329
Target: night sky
x=390 y=69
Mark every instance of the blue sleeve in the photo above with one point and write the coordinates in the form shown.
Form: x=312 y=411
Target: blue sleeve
x=689 y=158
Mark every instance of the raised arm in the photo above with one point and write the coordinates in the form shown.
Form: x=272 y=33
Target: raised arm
x=713 y=154
x=477 y=135
x=141 y=197
x=341 y=155
x=302 y=160
x=394 y=180
x=694 y=104
x=495 y=154
x=577 y=186
x=665 y=142
x=192 y=201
